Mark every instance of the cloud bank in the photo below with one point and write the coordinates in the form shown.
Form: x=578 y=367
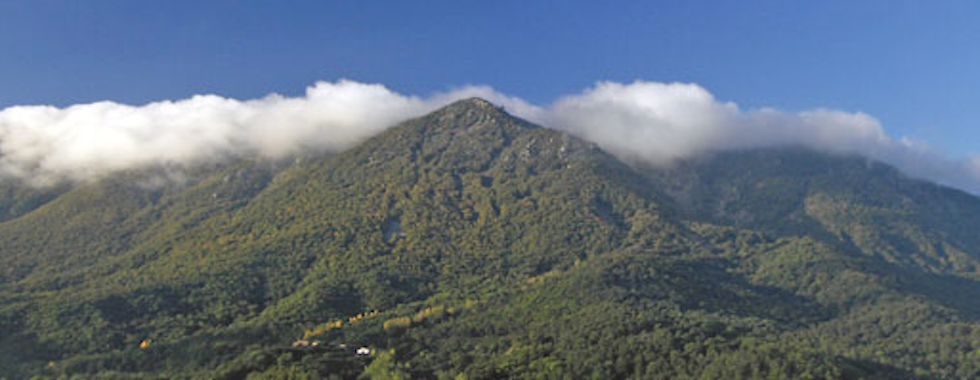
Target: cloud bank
x=643 y=122
x=657 y=123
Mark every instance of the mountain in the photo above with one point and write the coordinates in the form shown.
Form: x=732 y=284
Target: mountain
x=870 y=206
x=468 y=243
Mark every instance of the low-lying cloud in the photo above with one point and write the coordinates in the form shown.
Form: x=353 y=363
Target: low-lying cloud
x=44 y=143
x=643 y=122
x=658 y=123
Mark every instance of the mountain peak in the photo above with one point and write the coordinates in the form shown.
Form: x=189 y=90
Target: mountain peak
x=473 y=113
x=474 y=102
x=472 y=107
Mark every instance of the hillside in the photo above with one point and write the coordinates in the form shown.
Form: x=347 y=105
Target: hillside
x=469 y=243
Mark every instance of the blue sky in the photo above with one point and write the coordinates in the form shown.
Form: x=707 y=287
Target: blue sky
x=912 y=65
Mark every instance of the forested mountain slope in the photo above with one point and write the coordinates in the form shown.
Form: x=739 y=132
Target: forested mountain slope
x=865 y=205
x=469 y=243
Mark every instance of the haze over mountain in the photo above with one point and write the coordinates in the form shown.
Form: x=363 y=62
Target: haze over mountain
x=640 y=122
x=470 y=243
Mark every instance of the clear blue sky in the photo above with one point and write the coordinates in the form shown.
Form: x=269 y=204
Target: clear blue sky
x=915 y=65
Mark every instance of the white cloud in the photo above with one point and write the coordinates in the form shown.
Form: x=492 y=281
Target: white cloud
x=84 y=141
x=648 y=122
x=658 y=123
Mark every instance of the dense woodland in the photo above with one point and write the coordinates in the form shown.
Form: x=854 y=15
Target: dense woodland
x=468 y=244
